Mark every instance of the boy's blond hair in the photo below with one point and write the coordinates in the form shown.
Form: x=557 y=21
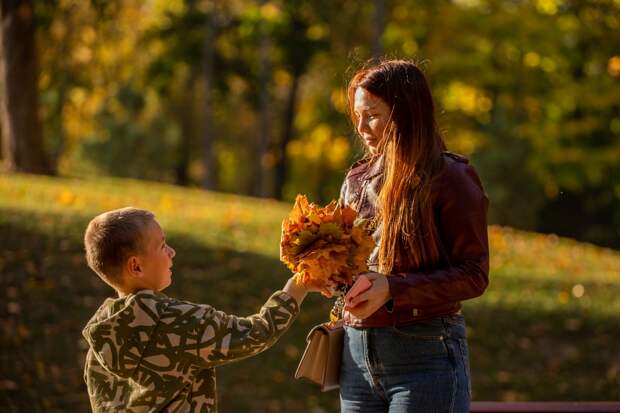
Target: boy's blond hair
x=112 y=237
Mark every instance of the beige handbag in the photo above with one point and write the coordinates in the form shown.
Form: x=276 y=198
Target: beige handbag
x=321 y=360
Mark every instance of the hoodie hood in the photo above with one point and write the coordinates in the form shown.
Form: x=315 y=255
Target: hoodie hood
x=121 y=329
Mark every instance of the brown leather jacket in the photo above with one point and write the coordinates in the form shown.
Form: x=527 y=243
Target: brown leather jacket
x=460 y=205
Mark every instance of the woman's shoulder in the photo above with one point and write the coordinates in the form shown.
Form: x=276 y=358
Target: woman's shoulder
x=459 y=177
x=457 y=166
x=455 y=157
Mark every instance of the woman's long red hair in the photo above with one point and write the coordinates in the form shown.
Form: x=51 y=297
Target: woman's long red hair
x=412 y=148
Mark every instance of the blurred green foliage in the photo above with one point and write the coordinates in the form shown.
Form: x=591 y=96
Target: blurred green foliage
x=528 y=89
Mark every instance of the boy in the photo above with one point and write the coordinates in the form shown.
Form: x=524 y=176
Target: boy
x=149 y=352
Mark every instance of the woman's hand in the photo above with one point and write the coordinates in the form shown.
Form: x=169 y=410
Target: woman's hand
x=365 y=304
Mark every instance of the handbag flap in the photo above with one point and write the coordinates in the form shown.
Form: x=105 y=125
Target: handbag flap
x=314 y=357
x=321 y=360
x=326 y=328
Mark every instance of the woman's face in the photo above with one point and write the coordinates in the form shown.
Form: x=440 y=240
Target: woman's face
x=372 y=115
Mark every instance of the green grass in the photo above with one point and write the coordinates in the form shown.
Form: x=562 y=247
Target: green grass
x=546 y=329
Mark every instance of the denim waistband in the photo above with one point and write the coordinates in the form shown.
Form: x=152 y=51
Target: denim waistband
x=448 y=326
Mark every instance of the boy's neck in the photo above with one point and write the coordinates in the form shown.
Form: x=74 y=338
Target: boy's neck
x=124 y=292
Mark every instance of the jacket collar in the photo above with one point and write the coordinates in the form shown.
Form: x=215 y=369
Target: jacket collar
x=370 y=167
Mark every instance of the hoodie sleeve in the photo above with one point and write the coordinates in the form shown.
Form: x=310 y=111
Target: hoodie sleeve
x=196 y=336
x=226 y=338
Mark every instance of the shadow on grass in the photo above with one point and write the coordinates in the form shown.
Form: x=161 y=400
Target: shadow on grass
x=524 y=354
x=48 y=295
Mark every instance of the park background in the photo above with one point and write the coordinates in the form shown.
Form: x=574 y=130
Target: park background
x=215 y=114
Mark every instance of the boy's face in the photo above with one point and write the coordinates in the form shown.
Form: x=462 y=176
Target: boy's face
x=156 y=259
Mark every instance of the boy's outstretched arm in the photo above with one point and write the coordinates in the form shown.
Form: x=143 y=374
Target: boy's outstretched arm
x=189 y=337
x=227 y=338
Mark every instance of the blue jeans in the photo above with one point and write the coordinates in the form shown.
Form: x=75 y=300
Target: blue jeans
x=422 y=368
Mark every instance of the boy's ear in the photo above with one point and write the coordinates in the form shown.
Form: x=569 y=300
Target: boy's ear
x=134 y=267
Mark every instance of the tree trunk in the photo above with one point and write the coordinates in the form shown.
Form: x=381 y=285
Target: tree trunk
x=22 y=135
x=287 y=134
x=378 y=29
x=259 y=182
x=62 y=78
x=210 y=160
x=184 y=112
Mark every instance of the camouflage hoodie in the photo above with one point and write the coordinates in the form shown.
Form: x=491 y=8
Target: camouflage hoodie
x=152 y=353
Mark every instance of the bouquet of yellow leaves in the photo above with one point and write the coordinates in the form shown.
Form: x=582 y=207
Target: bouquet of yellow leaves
x=324 y=246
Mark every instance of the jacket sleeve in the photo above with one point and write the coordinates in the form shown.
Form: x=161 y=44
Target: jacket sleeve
x=191 y=337
x=461 y=213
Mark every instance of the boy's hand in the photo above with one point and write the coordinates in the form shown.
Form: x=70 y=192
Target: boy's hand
x=328 y=290
x=299 y=291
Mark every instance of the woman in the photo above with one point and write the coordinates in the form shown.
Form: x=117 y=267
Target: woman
x=405 y=346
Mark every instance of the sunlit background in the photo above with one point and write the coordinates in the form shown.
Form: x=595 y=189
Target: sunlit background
x=215 y=114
